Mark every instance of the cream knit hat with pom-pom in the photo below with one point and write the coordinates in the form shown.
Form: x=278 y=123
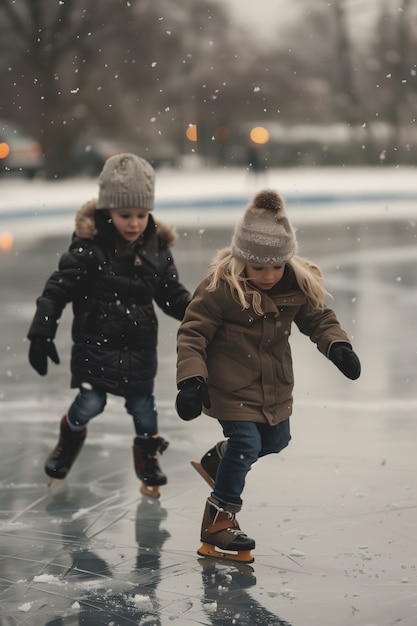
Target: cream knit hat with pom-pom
x=264 y=235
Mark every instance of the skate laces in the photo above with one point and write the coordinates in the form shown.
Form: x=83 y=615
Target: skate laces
x=225 y=520
x=235 y=529
x=237 y=532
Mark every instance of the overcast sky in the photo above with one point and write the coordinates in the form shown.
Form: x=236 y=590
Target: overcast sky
x=262 y=18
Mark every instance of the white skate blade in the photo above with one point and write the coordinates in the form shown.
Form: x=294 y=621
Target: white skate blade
x=206 y=549
x=153 y=491
x=57 y=483
x=57 y=489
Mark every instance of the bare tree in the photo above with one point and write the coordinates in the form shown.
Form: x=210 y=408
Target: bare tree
x=141 y=70
x=47 y=70
x=71 y=64
x=394 y=77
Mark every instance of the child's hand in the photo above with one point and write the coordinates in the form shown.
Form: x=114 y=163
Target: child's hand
x=193 y=394
x=342 y=355
x=40 y=349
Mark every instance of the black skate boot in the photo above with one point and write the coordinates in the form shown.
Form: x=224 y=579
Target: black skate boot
x=207 y=467
x=60 y=461
x=147 y=468
x=222 y=537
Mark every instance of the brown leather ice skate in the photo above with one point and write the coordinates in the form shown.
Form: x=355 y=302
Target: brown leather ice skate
x=222 y=537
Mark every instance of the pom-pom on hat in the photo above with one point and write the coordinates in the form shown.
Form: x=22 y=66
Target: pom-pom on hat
x=264 y=235
x=126 y=182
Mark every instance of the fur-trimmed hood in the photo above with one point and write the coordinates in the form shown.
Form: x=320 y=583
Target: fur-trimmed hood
x=86 y=228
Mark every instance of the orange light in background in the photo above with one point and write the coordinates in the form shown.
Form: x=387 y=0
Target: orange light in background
x=259 y=134
x=191 y=132
x=222 y=134
x=4 y=150
x=6 y=242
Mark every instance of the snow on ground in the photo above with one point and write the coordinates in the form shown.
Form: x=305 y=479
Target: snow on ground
x=218 y=196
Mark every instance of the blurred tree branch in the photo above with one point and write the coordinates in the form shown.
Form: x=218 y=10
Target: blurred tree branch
x=141 y=71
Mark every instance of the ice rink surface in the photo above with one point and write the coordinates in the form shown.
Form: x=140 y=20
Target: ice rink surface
x=334 y=516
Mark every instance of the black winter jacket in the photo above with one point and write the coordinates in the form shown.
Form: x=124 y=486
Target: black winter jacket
x=112 y=288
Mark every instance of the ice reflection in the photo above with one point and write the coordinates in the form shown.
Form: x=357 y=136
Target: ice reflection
x=103 y=592
x=226 y=597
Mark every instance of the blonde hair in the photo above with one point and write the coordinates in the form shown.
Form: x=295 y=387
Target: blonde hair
x=226 y=267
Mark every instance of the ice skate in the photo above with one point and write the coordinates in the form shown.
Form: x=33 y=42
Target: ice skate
x=222 y=537
x=207 y=467
x=62 y=457
x=147 y=468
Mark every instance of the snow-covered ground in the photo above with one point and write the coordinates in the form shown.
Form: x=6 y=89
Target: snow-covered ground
x=217 y=197
x=334 y=516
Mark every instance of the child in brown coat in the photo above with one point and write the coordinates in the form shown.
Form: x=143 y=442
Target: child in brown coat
x=234 y=357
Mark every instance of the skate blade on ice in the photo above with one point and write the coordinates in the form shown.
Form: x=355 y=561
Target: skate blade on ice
x=57 y=483
x=57 y=489
x=206 y=549
x=200 y=469
x=153 y=491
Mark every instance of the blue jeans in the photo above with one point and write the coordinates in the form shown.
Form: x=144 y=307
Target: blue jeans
x=247 y=442
x=89 y=403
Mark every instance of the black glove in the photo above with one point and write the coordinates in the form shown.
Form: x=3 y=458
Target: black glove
x=40 y=349
x=342 y=355
x=193 y=394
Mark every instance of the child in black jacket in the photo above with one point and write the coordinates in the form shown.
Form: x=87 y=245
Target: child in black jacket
x=119 y=262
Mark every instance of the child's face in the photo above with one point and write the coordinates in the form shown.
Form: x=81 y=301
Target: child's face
x=130 y=223
x=264 y=276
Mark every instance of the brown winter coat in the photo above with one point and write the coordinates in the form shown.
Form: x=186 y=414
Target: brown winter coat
x=245 y=357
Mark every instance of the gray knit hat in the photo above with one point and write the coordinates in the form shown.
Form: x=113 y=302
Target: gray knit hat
x=264 y=235
x=126 y=182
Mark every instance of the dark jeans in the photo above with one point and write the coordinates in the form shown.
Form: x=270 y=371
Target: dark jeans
x=247 y=442
x=89 y=403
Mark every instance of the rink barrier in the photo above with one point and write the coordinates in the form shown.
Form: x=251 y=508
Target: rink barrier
x=193 y=204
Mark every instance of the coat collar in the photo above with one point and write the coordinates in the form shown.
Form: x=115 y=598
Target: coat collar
x=87 y=224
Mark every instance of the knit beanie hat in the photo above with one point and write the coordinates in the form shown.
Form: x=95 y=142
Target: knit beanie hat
x=264 y=235
x=126 y=182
